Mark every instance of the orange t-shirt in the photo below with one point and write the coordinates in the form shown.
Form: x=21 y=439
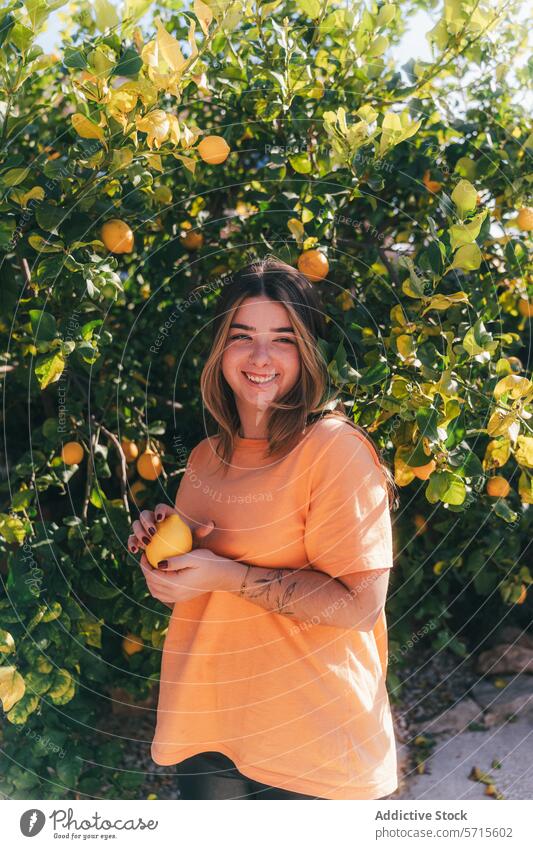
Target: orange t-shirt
x=303 y=708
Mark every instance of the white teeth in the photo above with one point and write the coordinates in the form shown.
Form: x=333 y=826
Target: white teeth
x=259 y=379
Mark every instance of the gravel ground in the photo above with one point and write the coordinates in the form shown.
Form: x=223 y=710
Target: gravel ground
x=431 y=683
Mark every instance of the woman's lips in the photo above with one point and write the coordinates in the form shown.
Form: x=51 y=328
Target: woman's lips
x=264 y=383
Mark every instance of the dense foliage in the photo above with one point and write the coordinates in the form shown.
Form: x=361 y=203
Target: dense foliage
x=413 y=183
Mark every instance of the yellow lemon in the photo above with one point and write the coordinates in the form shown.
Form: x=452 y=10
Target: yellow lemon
x=149 y=465
x=524 y=219
x=132 y=644
x=172 y=538
x=117 y=236
x=214 y=150
x=314 y=265
x=131 y=452
x=72 y=452
x=498 y=487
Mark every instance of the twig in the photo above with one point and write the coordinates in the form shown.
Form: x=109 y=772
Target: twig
x=123 y=466
x=89 y=479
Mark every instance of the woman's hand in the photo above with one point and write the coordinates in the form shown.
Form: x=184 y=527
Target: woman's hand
x=170 y=588
x=186 y=576
x=144 y=527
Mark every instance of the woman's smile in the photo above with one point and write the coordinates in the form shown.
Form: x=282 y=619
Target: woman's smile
x=260 y=380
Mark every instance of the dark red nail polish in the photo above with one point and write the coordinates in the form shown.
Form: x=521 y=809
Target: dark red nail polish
x=146 y=540
x=151 y=531
x=159 y=517
x=163 y=564
x=134 y=549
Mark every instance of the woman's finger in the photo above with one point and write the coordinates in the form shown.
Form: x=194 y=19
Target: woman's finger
x=162 y=511
x=143 y=537
x=147 y=519
x=133 y=544
x=203 y=529
x=145 y=562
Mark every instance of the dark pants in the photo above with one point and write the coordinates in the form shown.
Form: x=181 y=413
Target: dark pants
x=212 y=775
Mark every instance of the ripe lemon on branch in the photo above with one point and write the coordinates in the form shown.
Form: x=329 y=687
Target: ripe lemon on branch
x=132 y=644
x=131 y=452
x=117 y=236
x=214 y=150
x=192 y=239
x=149 y=465
x=313 y=264
x=498 y=487
x=524 y=219
x=72 y=452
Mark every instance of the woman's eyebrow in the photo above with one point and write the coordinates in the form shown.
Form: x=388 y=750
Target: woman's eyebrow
x=272 y=329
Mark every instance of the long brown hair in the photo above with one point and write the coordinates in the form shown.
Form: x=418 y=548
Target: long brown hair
x=310 y=398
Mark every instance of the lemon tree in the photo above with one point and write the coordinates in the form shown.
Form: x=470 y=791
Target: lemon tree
x=155 y=152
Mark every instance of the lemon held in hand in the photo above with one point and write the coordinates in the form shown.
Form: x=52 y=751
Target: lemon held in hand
x=172 y=538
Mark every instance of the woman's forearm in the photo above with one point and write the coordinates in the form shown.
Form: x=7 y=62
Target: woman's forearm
x=307 y=597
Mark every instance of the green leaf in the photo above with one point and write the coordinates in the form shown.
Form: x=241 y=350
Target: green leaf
x=376 y=373
x=437 y=486
x=97 y=497
x=502 y=509
x=22 y=499
x=53 y=612
x=467 y=258
x=465 y=234
x=61 y=682
x=37 y=682
x=43 y=325
x=311 y=8
x=50 y=267
x=87 y=329
x=7 y=228
x=386 y=15
x=92 y=631
x=15 y=176
x=49 y=217
x=67 y=696
x=464 y=197
x=455 y=492
x=75 y=58
x=98 y=590
x=49 y=368
x=7 y=22
x=68 y=771
x=12 y=529
x=129 y=64
x=12 y=686
x=301 y=162
x=426 y=419
x=23 y=708
x=43 y=246
x=7 y=643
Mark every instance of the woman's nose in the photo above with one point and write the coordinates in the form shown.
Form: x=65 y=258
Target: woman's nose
x=260 y=352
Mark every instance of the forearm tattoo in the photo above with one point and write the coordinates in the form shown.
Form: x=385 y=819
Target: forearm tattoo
x=272 y=589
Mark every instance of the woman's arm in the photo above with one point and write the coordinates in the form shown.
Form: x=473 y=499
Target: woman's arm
x=309 y=597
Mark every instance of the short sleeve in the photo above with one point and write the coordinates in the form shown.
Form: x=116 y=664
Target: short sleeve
x=186 y=478
x=348 y=525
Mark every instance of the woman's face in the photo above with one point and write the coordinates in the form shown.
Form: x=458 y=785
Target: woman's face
x=261 y=343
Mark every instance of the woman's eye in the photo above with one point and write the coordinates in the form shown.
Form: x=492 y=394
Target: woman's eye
x=244 y=336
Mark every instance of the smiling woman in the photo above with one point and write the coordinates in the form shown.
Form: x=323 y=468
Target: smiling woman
x=276 y=653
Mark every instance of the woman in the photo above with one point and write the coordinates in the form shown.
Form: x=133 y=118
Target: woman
x=273 y=668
